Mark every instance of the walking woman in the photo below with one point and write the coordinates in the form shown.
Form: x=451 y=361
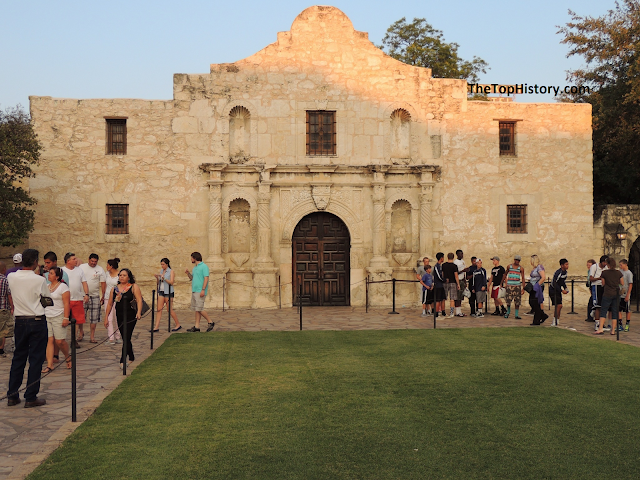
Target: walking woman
x=57 y=317
x=165 y=292
x=121 y=297
x=536 y=295
x=112 y=281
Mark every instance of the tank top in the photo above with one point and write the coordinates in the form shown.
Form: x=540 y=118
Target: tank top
x=513 y=275
x=166 y=288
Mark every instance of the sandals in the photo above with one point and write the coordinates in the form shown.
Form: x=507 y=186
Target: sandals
x=69 y=363
x=598 y=333
x=93 y=341
x=47 y=370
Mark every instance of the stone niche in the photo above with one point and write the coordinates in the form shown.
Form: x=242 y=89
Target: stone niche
x=239 y=227
x=401 y=235
x=239 y=135
x=400 y=136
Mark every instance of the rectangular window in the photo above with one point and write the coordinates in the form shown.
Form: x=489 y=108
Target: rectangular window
x=321 y=132
x=516 y=219
x=116 y=136
x=117 y=219
x=507 y=138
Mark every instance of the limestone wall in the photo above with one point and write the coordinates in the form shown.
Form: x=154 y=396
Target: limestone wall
x=417 y=169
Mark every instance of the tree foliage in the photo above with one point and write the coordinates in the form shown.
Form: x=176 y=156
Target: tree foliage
x=610 y=46
x=418 y=43
x=19 y=151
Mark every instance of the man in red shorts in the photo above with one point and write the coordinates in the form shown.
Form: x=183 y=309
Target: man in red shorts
x=78 y=289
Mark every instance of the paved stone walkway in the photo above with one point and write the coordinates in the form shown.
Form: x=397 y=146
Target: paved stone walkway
x=28 y=436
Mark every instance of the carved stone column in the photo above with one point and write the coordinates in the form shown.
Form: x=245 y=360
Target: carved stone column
x=264 y=271
x=379 y=269
x=214 y=260
x=426 y=224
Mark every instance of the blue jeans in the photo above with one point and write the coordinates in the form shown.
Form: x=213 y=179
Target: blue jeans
x=31 y=343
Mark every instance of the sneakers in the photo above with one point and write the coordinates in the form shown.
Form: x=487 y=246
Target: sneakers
x=506 y=315
x=621 y=328
x=607 y=328
x=193 y=329
x=496 y=313
x=480 y=315
x=597 y=325
x=544 y=318
x=118 y=341
x=424 y=314
x=518 y=318
x=461 y=315
x=530 y=313
x=626 y=327
x=554 y=323
x=210 y=326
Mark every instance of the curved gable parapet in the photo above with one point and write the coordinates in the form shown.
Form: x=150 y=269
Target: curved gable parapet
x=324 y=36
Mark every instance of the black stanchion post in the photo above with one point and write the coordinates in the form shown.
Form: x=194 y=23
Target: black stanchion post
x=572 y=298
x=366 y=296
x=223 y=282
x=300 y=305
x=169 y=313
x=435 y=314
x=279 y=293
x=125 y=341
x=548 y=287
x=74 y=409
x=153 y=315
x=393 y=290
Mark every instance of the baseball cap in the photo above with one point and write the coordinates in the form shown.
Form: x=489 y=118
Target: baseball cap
x=495 y=257
x=17 y=258
x=478 y=260
x=517 y=257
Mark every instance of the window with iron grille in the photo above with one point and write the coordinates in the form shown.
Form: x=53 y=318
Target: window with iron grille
x=117 y=219
x=116 y=136
x=321 y=132
x=516 y=219
x=507 y=138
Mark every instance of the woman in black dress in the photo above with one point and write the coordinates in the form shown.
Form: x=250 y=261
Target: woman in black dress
x=120 y=299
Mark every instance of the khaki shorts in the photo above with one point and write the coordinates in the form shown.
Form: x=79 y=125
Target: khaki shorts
x=197 y=302
x=55 y=328
x=481 y=296
x=6 y=324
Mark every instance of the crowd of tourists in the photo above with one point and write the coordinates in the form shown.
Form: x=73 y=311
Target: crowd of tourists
x=453 y=280
x=39 y=302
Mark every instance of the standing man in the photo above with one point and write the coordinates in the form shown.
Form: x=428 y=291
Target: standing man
x=17 y=264
x=627 y=276
x=462 y=273
x=79 y=291
x=6 y=309
x=497 y=272
x=97 y=283
x=438 y=282
x=513 y=283
x=472 y=298
x=451 y=285
x=480 y=287
x=51 y=261
x=597 y=289
x=30 y=330
x=557 y=288
x=199 y=277
x=590 y=312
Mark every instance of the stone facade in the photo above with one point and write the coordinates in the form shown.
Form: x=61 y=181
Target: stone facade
x=223 y=169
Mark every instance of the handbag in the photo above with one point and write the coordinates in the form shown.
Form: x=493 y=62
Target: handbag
x=528 y=288
x=466 y=293
x=145 y=307
x=46 y=301
x=502 y=292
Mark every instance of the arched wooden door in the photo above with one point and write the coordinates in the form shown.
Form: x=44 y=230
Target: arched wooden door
x=321 y=245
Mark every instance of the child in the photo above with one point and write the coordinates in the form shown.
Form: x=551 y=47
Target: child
x=480 y=287
x=427 y=291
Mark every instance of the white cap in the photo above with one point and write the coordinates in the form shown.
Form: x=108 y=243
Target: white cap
x=17 y=258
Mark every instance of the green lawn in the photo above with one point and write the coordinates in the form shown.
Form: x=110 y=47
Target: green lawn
x=403 y=404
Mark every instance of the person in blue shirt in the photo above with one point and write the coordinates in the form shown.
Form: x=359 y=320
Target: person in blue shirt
x=199 y=277
x=427 y=291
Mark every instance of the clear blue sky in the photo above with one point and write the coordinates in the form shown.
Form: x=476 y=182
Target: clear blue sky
x=131 y=49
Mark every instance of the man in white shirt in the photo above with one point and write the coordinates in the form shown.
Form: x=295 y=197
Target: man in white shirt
x=79 y=291
x=30 y=330
x=462 y=271
x=97 y=283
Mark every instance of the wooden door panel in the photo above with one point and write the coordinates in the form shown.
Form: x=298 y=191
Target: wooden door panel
x=321 y=244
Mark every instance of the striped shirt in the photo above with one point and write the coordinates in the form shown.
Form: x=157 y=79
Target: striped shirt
x=514 y=275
